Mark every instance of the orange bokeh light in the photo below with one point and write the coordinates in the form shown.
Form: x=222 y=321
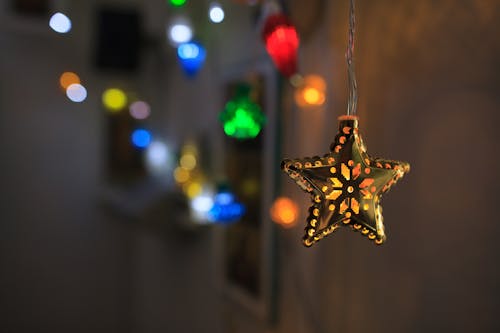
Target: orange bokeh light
x=285 y=212
x=67 y=79
x=313 y=96
x=311 y=92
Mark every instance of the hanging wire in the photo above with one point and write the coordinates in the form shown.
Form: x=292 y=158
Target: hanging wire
x=353 y=85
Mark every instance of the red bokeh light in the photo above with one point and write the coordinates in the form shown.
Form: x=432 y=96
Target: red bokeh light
x=282 y=42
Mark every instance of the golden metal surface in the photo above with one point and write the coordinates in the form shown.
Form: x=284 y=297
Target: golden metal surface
x=347 y=178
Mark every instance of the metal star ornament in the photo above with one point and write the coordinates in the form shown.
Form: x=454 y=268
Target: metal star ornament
x=346 y=186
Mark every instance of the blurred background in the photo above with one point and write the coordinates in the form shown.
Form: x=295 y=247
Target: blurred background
x=141 y=144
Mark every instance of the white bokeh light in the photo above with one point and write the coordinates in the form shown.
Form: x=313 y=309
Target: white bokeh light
x=60 y=23
x=216 y=13
x=158 y=159
x=180 y=32
x=201 y=205
x=76 y=93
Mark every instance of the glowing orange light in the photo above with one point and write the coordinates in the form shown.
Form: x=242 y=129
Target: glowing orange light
x=313 y=96
x=285 y=212
x=67 y=79
x=311 y=92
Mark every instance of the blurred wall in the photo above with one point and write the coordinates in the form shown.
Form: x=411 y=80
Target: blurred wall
x=67 y=263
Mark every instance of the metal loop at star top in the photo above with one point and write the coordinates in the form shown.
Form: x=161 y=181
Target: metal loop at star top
x=346 y=186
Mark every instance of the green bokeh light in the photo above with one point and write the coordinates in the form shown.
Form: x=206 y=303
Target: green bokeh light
x=242 y=118
x=178 y=3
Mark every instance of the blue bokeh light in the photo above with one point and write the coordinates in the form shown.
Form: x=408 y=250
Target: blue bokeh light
x=224 y=198
x=191 y=56
x=141 y=138
x=225 y=209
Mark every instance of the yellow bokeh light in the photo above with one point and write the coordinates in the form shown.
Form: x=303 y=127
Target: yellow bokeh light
x=68 y=78
x=188 y=161
x=312 y=96
x=114 y=99
x=193 y=189
x=181 y=175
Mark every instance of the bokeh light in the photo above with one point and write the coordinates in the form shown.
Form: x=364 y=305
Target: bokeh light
x=180 y=32
x=201 y=205
x=188 y=174
x=177 y=3
x=226 y=209
x=158 y=159
x=313 y=96
x=193 y=189
x=188 y=161
x=141 y=138
x=188 y=51
x=311 y=92
x=60 y=23
x=224 y=198
x=216 y=13
x=282 y=42
x=242 y=118
x=140 y=110
x=68 y=78
x=284 y=212
x=181 y=175
x=191 y=56
x=114 y=99
x=76 y=92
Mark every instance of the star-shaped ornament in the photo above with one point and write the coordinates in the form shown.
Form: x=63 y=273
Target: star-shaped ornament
x=346 y=186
